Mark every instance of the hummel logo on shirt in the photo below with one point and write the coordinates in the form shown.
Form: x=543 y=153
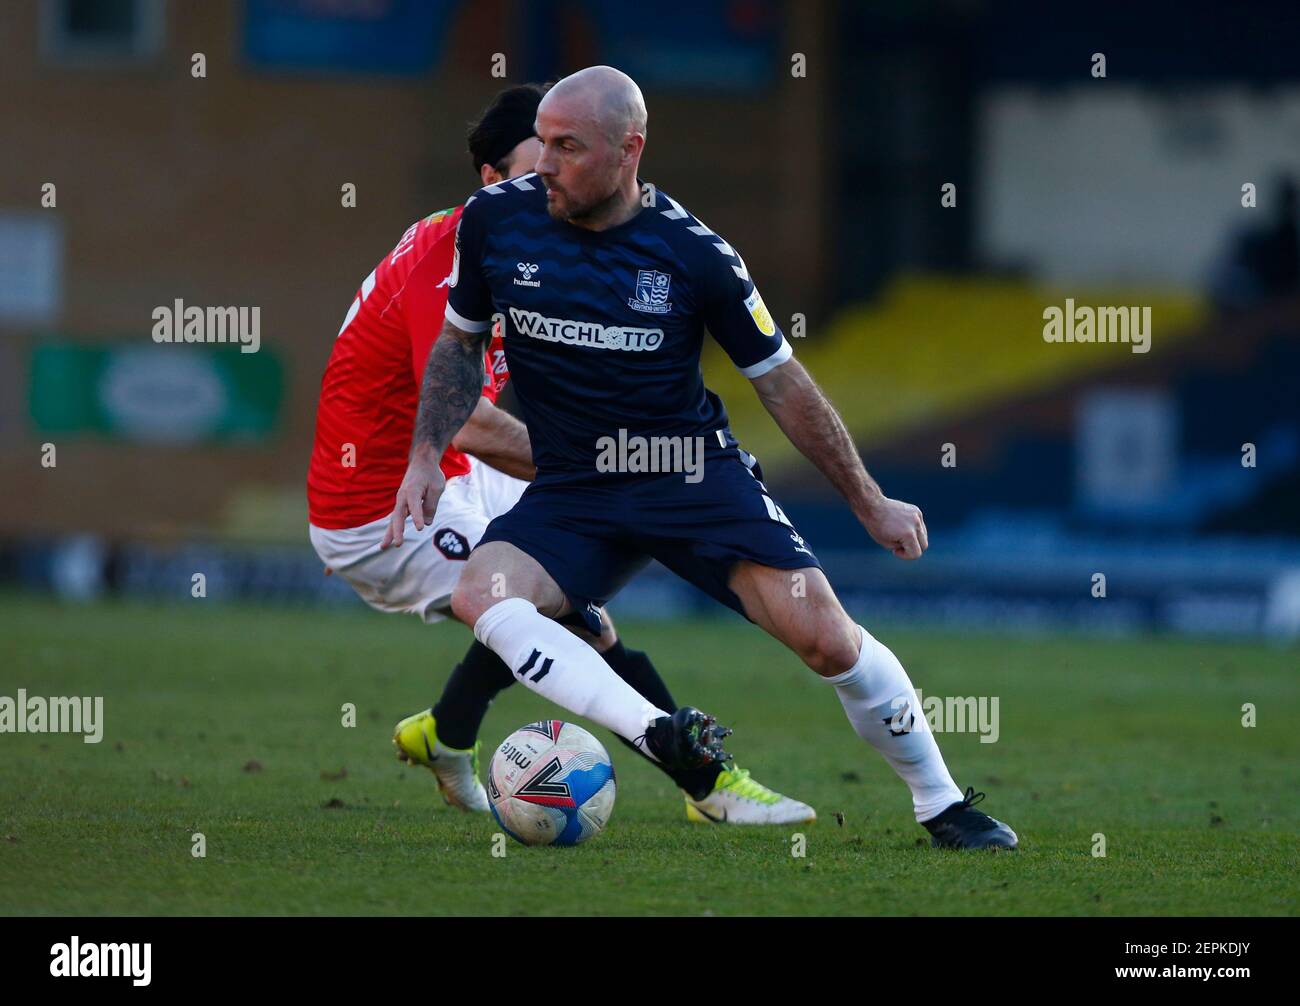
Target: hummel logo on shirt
x=527 y=270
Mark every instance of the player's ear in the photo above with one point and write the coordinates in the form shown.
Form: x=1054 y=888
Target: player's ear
x=633 y=144
x=488 y=174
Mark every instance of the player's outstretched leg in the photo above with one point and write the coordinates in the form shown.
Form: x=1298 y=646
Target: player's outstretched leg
x=445 y=740
x=719 y=792
x=880 y=702
x=553 y=662
x=876 y=693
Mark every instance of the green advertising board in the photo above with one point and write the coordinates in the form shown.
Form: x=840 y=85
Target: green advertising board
x=168 y=393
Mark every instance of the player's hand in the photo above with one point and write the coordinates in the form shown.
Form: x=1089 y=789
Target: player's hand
x=897 y=526
x=418 y=497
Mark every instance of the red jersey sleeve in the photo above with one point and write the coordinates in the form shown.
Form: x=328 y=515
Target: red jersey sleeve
x=423 y=300
x=423 y=305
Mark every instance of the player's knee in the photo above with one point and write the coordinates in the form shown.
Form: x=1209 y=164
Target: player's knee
x=831 y=646
x=463 y=607
x=471 y=597
x=826 y=661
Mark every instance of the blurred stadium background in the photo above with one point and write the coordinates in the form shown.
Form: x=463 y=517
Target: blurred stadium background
x=923 y=321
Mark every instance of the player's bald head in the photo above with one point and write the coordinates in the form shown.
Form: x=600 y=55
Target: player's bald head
x=592 y=128
x=602 y=96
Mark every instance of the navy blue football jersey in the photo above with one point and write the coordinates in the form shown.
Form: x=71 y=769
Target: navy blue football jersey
x=603 y=329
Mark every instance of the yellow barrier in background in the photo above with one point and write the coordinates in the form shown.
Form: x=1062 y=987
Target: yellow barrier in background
x=938 y=345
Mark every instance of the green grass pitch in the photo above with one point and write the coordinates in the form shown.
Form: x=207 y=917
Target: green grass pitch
x=1139 y=740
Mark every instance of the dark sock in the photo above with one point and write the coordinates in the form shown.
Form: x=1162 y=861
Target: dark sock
x=635 y=668
x=465 y=698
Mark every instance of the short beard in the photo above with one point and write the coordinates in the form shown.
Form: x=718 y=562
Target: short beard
x=591 y=213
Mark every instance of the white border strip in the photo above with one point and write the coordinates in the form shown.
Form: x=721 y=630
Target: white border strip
x=763 y=366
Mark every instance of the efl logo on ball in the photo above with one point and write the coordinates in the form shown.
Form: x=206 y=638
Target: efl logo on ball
x=551 y=783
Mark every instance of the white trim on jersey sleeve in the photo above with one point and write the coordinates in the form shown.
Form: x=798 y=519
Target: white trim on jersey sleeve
x=463 y=323
x=763 y=366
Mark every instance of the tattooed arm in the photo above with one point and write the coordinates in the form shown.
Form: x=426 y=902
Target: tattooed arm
x=452 y=384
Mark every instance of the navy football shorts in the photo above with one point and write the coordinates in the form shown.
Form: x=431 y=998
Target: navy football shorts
x=593 y=534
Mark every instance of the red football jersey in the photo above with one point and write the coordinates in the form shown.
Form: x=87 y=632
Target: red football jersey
x=371 y=387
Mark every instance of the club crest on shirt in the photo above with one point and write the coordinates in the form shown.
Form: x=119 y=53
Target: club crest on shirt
x=651 y=295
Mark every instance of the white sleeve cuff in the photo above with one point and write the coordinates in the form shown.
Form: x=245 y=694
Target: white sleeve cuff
x=463 y=323
x=763 y=366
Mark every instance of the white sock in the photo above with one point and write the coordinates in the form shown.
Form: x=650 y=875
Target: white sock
x=873 y=692
x=556 y=664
